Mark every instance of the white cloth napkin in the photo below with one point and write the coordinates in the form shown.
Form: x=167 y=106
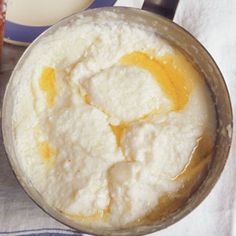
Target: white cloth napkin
x=213 y=23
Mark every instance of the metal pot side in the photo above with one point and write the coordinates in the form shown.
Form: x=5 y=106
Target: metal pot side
x=201 y=58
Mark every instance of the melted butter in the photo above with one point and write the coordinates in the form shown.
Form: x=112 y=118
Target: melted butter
x=167 y=72
x=47 y=83
x=99 y=215
x=46 y=151
x=172 y=72
x=190 y=178
x=118 y=131
x=87 y=99
x=201 y=157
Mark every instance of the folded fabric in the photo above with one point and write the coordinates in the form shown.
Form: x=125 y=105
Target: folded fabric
x=213 y=24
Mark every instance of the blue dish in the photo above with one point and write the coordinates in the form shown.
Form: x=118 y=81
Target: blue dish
x=23 y=34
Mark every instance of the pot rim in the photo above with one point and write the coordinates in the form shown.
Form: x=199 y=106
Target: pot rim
x=202 y=192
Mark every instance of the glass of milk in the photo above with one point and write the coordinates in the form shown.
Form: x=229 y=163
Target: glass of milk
x=27 y=19
x=43 y=12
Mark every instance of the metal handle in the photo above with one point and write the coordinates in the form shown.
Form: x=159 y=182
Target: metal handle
x=165 y=8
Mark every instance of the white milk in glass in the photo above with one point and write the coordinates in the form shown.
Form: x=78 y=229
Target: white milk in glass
x=43 y=12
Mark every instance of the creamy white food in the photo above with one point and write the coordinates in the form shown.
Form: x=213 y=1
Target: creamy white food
x=107 y=115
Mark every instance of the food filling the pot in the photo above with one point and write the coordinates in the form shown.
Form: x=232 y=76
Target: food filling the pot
x=112 y=124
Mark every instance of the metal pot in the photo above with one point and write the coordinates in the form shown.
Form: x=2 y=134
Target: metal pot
x=201 y=58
